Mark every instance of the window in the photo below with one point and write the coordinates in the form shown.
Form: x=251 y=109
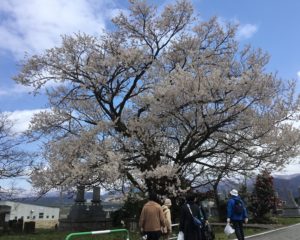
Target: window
x=52 y=216
x=47 y=216
x=33 y=217
x=28 y=217
x=41 y=215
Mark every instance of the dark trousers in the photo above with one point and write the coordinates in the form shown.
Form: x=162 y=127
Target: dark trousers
x=155 y=235
x=239 y=231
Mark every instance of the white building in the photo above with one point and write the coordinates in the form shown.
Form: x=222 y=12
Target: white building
x=44 y=217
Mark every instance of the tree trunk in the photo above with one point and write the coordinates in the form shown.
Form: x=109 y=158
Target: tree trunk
x=217 y=202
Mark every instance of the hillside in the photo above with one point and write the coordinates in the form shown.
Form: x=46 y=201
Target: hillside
x=282 y=184
x=285 y=183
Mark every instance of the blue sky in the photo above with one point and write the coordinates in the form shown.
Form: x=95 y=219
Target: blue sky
x=32 y=26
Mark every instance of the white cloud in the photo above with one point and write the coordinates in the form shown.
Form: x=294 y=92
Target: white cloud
x=18 y=89
x=292 y=168
x=21 y=119
x=15 y=89
x=34 y=25
x=298 y=74
x=246 y=31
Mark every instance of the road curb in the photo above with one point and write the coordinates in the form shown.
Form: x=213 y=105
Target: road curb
x=259 y=234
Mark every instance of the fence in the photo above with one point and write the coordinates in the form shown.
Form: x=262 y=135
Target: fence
x=174 y=235
x=71 y=235
x=97 y=233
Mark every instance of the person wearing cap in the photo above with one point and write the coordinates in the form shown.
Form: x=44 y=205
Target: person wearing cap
x=167 y=230
x=234 y=215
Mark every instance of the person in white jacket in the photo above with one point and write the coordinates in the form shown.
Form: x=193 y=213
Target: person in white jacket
x=167 y=230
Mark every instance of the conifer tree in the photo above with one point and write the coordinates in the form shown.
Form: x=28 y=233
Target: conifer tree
x=263 y=198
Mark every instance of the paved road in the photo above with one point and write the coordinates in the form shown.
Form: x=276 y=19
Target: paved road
x=286 y=233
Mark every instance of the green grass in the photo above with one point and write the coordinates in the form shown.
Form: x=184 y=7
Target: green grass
x=56 y=235
x=251 y=231
x=286 y=220
x=248 y=231
x=41 y=234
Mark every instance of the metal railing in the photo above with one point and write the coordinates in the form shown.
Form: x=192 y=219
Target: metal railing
x=174 y=236
x=76 y=234
x=98 y=233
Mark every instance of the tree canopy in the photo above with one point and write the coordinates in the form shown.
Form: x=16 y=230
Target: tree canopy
x=159 y=102
x=13 y=161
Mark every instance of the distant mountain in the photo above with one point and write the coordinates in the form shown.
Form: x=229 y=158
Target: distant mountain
x=282 y=184
x=50 y=201
x=54 y=200
x=285 y=183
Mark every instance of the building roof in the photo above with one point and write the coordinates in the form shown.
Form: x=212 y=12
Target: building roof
x=12 y=203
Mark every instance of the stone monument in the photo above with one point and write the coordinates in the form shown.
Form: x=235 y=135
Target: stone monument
x=291 y=209
x=83 y=216
x=95 y=209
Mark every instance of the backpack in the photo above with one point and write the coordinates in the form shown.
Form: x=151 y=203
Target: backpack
x=238 y=207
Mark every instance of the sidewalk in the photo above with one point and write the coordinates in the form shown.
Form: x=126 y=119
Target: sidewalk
x=291 y=232
x=254 y=225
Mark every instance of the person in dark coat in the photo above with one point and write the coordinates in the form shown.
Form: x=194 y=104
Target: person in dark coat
x=203 y=217
x=186 y=224
x=237 y=218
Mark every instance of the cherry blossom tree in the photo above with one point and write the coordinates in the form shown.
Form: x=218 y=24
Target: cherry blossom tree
x=157 y=103
x=13 y=160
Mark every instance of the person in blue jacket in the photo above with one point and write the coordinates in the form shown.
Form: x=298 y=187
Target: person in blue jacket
x=237 y=213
